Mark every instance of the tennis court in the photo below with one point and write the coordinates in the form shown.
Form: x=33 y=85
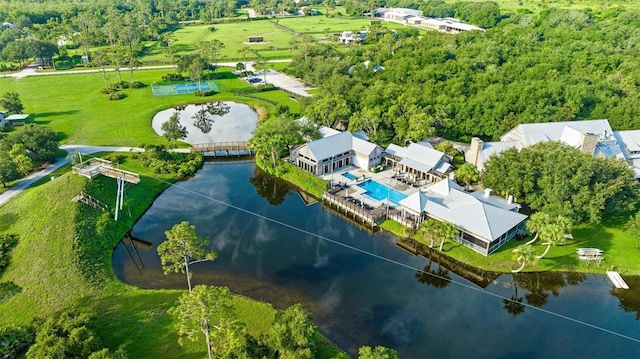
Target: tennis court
x=186 y=88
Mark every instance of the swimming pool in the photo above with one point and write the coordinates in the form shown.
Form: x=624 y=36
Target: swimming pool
x=350 y=175
x=379 y=192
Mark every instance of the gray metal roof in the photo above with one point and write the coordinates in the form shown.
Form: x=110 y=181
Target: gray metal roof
x=329 y=146
x=415 y=164
x=531 y=133
x=448 y=202
x=421 y=156
x=336 y=144
x=18 y=116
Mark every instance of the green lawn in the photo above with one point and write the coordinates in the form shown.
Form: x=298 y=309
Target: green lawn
x=282 y=98
x=320 y=24
x=233 y=35
x=620 y=250
x=73 y=106
x=44 y=264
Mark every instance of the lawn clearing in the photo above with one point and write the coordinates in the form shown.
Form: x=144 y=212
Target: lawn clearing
x=73 y=106
x=281 y=97
x=234 y=36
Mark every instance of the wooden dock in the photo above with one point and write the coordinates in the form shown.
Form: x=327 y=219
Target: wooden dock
x=617 y=280
x=228 y=148
x=97 y=166
x=371 y=216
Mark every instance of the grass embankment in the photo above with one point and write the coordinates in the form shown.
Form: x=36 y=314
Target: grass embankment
x=73 y=106
x=305 y=180
x=53 y=231
x=621 y=250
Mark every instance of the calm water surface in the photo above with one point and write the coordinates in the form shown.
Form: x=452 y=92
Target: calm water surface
x=358 y=299
x=237 y=125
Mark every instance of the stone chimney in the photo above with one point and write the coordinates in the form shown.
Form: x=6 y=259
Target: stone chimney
x=589 y=142
x=473 y=154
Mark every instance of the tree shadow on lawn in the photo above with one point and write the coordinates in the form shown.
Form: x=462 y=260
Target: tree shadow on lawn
x=594 y=235
x=7 y=220
x=182 y=48
x=137 y=321
x=57 y=113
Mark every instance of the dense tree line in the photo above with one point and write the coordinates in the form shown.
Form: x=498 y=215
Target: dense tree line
x=562 y=182
x=559 y=65
x=23 y=149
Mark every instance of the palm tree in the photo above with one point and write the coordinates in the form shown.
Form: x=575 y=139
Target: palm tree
x=514 y=305
x=555 y=233
x=525 y=254
x=428 y=229
x=244 y=51
x=447 y=231
x=468 y=173
x=537 y=223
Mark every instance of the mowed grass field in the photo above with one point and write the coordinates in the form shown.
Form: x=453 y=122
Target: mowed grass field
x=234 y=36
x=73 y=106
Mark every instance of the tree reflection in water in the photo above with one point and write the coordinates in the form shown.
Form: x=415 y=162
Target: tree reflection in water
x=514 y=305
x=629 y=298
x=271 y=188
x=437 y=278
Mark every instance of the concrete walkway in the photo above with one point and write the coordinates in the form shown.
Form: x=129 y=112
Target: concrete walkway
x=26 y=182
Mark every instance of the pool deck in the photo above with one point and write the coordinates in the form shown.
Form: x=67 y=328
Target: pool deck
x=383 y=177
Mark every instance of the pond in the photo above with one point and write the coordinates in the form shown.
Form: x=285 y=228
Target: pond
x=237 y=125
x=363 y=289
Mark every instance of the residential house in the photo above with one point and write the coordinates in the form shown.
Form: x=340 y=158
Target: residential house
x=484 y=222
x=592 y=136
x=420 y=160
x=335 y=151
x=347 y=37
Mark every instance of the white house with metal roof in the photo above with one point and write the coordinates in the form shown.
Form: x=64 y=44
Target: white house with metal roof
x=335 y=151
x=592 y=136
x=420 y=160
x=484 y=222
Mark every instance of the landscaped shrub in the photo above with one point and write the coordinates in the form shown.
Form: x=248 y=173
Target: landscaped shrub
x=266 y=87
x=136 y=85
x=13 y=340
x=205 y=93
x=173 y=77
x=114 y=157
x=116 y=96
x=162 y=161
